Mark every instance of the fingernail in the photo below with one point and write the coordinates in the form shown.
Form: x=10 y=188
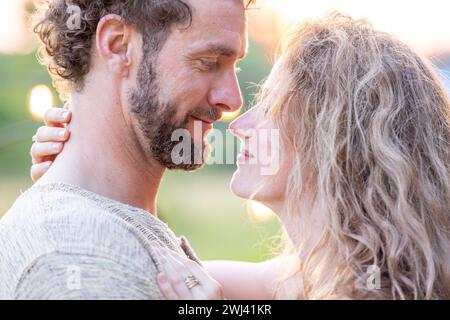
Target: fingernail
x=47 y=164
x=56 y=146
x=64 y=115
x=62 y=134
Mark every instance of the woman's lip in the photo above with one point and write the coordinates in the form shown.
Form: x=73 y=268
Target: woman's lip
x=244 y=156
x=241 y=159
x=246 y=153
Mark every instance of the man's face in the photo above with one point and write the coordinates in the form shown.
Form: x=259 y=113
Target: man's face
x=192 y=81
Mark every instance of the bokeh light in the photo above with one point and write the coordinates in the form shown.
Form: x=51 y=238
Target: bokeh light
x=230 y=116
x=259 y=212
x=15 y=35
x=41 y=99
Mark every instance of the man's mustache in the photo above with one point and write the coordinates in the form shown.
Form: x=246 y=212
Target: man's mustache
x=210 y=114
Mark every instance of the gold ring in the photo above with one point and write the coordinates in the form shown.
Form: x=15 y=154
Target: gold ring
x=191 y=281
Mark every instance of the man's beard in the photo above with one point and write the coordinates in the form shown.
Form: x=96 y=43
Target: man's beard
x=157 y=122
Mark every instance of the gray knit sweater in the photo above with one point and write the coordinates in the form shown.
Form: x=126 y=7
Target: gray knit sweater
x=62 y=242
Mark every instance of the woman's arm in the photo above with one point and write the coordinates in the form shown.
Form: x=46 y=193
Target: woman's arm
x=245 y=280
x=184 y=279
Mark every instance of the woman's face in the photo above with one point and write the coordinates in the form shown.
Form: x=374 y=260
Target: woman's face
x=264 y=161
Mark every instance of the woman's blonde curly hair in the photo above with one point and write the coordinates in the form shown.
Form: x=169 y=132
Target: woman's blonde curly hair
x=370 y=125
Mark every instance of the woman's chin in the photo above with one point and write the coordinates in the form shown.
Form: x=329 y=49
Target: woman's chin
x=240 y=185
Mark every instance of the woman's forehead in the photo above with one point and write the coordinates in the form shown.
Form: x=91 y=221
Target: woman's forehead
x=274 y=76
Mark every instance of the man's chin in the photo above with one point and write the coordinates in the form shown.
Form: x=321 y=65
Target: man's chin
x=186 y=167
x=193 y=163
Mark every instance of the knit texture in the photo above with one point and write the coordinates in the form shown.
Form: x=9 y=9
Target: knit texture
x=59 y=241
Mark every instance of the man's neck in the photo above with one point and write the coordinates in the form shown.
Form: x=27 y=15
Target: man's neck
x=103 y=155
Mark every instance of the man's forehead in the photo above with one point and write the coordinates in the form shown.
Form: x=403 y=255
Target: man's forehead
x=220 y=25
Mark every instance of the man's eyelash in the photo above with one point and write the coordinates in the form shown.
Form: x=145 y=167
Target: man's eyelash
x=211 y=65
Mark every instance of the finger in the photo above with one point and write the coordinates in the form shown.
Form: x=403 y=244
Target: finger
x=41 y=150
x=166 y=288
x=189 y=267
x=175 y=275
x=38 y=170
x=172 y=276
x=192 y=266
x=57 y=117
x=208 y=288
x=51 y=134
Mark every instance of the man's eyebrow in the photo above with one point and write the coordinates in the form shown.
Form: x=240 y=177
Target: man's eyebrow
x=217 y=49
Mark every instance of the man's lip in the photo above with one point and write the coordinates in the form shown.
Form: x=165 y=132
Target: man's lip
x=209 y=121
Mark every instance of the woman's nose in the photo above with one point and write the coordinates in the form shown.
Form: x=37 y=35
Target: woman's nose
x=242 y=126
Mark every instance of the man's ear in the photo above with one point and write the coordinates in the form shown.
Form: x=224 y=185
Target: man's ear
x=113 y=41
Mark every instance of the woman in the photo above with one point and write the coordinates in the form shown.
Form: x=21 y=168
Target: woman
x=363 y=187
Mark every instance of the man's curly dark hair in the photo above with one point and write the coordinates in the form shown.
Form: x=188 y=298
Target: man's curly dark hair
x=67 y=51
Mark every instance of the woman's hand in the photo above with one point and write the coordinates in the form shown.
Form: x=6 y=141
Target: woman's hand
x=49 y=141
x=184 y=279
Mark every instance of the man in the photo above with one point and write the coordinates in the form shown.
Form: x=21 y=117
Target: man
x=134 y=72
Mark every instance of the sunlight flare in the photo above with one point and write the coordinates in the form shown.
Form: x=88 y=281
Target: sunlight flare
x=259 y=212
x=41 y=99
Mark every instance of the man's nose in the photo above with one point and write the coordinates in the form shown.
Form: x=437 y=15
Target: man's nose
x=226 y=94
